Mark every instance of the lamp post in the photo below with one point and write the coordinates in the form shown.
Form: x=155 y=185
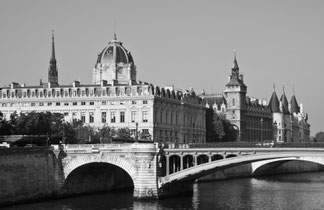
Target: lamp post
x=136 y=132
x=63 y=132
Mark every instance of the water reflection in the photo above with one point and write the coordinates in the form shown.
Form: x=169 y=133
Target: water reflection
x=301 y=191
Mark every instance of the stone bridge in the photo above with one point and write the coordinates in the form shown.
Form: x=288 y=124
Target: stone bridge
x=153 y=172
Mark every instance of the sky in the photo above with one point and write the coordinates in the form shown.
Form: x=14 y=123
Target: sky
x=188 y=44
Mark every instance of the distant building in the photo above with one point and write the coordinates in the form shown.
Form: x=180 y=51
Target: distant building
x=289 y=119
x=253 y=119
x=115 y=98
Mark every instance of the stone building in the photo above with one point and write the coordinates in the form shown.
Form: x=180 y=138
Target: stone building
x=289 y=119
x=254 y=119
x=115 y=99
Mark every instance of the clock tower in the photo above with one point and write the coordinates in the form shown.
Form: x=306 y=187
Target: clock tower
x=235 y=94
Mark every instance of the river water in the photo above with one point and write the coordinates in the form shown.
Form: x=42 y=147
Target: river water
x=290 y=191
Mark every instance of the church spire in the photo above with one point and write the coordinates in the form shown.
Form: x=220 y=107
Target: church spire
x=53 y=60
x=52 y=70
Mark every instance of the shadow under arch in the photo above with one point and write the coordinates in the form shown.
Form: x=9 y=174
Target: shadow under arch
x=286 y=166
x=97 y=177
x=85 y=168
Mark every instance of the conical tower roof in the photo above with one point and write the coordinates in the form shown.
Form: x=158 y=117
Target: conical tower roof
x=284 y=102
x=274 y=103
x=294 y=105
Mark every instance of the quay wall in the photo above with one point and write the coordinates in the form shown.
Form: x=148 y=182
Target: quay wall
x=26 y=174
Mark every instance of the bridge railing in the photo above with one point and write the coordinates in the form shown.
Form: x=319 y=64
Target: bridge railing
x=258 y=144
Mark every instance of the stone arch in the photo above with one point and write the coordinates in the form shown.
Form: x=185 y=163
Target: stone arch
x=231 y=155
x=259 y=164
x=188 y=161
x=217 y=157
x=201 y=159
x=82 y=160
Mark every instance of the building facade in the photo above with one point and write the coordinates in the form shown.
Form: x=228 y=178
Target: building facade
x=115 y=99
x=254 y=119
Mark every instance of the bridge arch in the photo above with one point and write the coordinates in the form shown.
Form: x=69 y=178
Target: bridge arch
x=217 y=157
x=201 y=159
x=188 y=161
x=259 y=165
x=78 y=161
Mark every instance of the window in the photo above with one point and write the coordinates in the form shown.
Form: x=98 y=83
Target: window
x=32 y=104
x=66 y=103
x=75 y=103
x=122 y=102
x=91 y=102
x=233 y=101
x=49 y=104
x=176 y=119
x=133 y=116
x=112 y=117
x=145 y=102
x=83 y=117
x=83 y=92
x=24 y=94
x=58 y=104
x=41 y=104
x=144 y=116
x=122 y=116
x=103 y=117
x=133 y=102
x=103 y=103
x=91 y=117
x=66 y=114
x=83 y=103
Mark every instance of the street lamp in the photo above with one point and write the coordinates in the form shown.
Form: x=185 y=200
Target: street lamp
x=136 y=132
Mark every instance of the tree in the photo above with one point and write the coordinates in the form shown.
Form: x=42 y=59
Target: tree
x=320 y=136
x=106 y=133
x=123 y=133
x=144 y=136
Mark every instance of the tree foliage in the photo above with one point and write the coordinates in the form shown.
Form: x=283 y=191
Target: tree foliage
x=218 y=129
x=319 y=136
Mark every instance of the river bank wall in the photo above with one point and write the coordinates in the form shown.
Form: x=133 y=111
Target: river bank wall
x=26 y=174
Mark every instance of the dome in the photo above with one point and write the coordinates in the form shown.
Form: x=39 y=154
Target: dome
x=114 y=53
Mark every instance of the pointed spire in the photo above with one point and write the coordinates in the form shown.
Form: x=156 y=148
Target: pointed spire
x=274 y=87
x=52 y=70
x=235 y=65
x=53 y=60
x=284 y=101
x=115 y=36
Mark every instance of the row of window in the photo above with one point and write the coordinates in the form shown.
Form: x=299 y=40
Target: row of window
x=82 y=103
x=112 y=119
x=65 y=93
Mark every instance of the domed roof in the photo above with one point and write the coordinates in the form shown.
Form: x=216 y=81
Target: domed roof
x=114 y=53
